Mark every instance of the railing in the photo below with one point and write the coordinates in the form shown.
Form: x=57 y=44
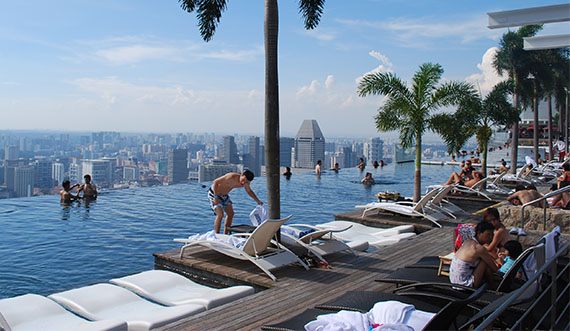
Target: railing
x=555 y=317
x=546 y=196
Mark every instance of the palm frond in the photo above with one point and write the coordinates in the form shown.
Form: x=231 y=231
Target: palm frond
x=208 y=13
x=311 y=10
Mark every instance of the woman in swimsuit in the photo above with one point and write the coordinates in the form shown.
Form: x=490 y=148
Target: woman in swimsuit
x=500 y=234
x=472 y=264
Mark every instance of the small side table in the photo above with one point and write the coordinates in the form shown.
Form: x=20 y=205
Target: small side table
x=444 y=260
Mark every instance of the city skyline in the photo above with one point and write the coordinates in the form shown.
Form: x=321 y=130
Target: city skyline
x=133 y=68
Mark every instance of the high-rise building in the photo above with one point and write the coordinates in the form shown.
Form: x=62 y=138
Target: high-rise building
x=75 y=172
x=254 y=159
x=309 y=145
x=177 y=166
x=101 y=171
x=24 y=181
x=374 y=150
x=286 y=144
x=229 y=150
x=11 y=153
x=210 y=172
x=58 y=172
x=43 y=177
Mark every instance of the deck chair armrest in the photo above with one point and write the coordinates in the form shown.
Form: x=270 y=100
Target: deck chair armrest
x=432 y=285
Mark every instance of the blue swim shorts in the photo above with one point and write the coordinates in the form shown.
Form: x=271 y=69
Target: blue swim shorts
x=224 y=200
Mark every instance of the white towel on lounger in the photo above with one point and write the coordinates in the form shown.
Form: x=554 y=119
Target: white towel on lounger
x=386 y=315
x=211 y=235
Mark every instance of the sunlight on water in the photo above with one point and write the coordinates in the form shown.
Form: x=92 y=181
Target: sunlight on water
x=47 y=248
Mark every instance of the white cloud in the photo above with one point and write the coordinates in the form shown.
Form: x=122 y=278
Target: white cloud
x=308 y=90
x=419 y=33
x=134 y=53
x=385 y=67
x=329 y=81
x=381 y=57
x=488 y=77
x=321 y=34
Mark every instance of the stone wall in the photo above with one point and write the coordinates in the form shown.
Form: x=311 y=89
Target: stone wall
x=534 y=218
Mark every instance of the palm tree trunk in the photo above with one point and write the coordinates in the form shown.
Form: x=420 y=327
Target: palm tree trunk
x=272 y=109
x=550 y=152
x=566 y=124
x=536 y=127
x=485 y=151
x=418 y=172
x=515 y=140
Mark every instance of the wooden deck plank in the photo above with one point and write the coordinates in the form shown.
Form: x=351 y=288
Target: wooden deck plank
x=297 y=289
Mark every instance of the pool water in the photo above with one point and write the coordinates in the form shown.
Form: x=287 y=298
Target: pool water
x=46 y=247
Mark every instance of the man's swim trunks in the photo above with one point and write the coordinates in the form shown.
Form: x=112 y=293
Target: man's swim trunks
x=224 y=200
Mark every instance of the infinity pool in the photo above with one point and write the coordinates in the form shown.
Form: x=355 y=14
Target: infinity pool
x=46 y=247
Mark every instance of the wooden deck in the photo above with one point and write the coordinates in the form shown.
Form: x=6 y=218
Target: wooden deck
x=296 y=288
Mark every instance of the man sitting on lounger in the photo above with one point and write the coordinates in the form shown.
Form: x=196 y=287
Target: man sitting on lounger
x=218 y=194
x=472 y=264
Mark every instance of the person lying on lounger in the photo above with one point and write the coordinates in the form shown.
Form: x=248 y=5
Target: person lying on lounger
x=464 y=176
x=522 y=196
x=472 y=264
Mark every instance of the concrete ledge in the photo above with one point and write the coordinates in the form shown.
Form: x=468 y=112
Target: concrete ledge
x=534 y=218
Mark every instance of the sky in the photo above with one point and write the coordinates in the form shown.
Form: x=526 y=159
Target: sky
x=142 y=66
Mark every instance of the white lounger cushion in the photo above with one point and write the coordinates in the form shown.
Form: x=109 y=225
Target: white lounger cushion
x=106 y=301
x=35 y=312
x=374 y=236
x=171 y=289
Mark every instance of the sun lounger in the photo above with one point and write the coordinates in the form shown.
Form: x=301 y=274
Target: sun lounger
x=105 y=301
x=444 y=317
x=171 y=289
x=377 y=237
x=318 y=242
x=36 y=312
x=256 y=248
x=410 y=209
x=445 y=206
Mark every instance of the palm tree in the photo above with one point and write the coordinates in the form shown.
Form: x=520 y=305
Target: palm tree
x=475 y=116
x=209 y=13
x=513 y=59
x=409 y=109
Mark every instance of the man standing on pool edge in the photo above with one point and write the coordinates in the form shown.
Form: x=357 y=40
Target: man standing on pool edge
x=218 y=194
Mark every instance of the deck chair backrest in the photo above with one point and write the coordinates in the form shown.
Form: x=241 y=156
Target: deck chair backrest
x=441 y=194
x=4 y=324
x=508 y=278
x=498 y=178
x=425 y=199
x=487 y=310
x=480 y=184
x=260 y=238
x=446 y=316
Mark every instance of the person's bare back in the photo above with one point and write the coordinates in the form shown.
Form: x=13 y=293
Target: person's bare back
x=226 y=183
x=525 y=196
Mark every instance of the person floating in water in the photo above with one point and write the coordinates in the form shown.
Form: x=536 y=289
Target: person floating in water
x=65 y=195
x=219 y=198
x=375 y=164
x=318 y=168
x=89 y=190
x=367 y=179
x=336 y=168
x=287 y=173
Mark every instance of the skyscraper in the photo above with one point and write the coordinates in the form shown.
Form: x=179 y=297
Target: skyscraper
x=286 y=144
x=24 y=181
x=254 y=159
x=43 y=177
x=177 y=166
x=309 y=145
x=374 y=150
x=57 y=172
x=229 y=150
